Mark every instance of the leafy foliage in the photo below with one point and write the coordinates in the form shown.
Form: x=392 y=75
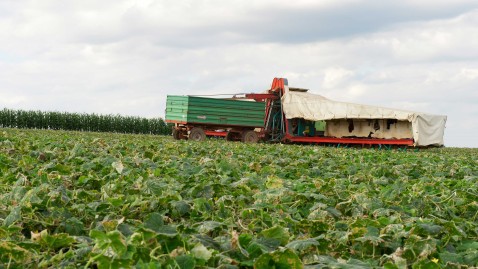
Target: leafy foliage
x=71 y=200
x=81 y=122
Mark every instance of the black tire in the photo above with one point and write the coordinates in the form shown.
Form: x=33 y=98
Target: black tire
x=176 y=134
x=250 y=137
x=230 y=136
x=197 y=134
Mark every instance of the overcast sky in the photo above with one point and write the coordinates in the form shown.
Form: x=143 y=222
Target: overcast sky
x=125 y=56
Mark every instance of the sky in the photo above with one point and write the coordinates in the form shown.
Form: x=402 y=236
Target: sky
x=125 y=56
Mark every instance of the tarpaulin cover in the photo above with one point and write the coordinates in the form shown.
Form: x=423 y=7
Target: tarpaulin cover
x=427 y=129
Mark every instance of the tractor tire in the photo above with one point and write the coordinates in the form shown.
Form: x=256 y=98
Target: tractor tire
x=176 y=134
x=230 y=136
x=250 y=137
x=197 y=134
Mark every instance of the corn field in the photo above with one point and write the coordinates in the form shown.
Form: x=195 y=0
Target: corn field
x=81 y=122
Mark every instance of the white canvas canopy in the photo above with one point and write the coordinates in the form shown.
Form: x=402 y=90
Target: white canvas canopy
x=427 y=129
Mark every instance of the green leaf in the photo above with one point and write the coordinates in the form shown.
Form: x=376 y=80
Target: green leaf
x=334 y=212
x=273 y=182
x=74 y=226
x=113 y=239
x=280 y=259
x=207 y=241
x=117 y=242
x=277 y=233
x=299 y=245
x=147 y=265
x=201 y=252
x=202 y=191
x=14 y=216
x=167 y=230
x=208 y=226
x=99 y=236
x=255 y=249
x=104 y=262
x=118 y=166
x=154 y=221
x=425 y=264
x=446 y=257
x=148 y=154
x=11 y=250
x=428 y=229
x=57 y=241
x=185 y=262
x=389 y=265
x=181 y=207
x=468 y=245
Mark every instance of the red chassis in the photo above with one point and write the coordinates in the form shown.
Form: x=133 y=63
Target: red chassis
x=356 y=141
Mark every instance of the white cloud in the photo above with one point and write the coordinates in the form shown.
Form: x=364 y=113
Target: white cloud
x=357 y=91
x=12 y=100
x=336 y=76
x=467 y=74
x=125 y=56
x=444 y=39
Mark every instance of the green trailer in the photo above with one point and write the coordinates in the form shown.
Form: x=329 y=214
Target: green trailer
x=196 y=117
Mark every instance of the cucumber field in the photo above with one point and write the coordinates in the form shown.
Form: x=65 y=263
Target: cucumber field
x=104 y=200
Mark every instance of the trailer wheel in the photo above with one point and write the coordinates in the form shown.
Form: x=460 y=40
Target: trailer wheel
x=197 y=134
x=230 y=136
x=176 y=134
x=250 y=137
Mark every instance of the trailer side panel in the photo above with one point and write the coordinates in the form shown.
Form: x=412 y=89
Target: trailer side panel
x=220 y=112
